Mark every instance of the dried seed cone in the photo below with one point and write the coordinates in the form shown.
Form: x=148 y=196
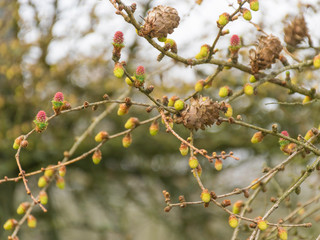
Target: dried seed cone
x=160 y=21
x=296 y=31
x=266 y=53
x=200 y=113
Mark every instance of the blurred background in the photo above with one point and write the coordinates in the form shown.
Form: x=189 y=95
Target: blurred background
x=53 y=45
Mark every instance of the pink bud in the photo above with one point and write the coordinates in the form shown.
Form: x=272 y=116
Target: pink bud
x=235 y=40
x=140 y=71
x=118 y=38
x=58 y=97
x=41 y=116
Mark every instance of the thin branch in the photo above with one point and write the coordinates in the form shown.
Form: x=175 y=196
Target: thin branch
x=297 y=183
x=316 y=151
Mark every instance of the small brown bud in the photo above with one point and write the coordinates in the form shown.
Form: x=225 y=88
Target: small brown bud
x=24 y=143
x=231 y=120
x=275 y=128
x=246 y=193
x=149 y=109
x=128 y=102
x=106 y=96
x=273 y=199
x=235 y=17
x=167 y=208
x=252 y=225
x=66 y=106
x=94 y=107
x=165 y=100
x=226 y=203
x=213 y=195
x=167 y=195
x=86 y=104
x=149 y=89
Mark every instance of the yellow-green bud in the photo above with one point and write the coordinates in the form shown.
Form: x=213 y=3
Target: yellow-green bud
x=229 y=111
x=255 y=186
x=248 y=89
x=306 y=99
x=62 y=170
x=32 y=221
x=282 y=233
x=96 y=156
x=225 y=91
x=43 y=197
x=49 y=172
x=43 y=181
x=193 y=162
x=179 y=105
x=308 y=135
x=204 y=52
x=123 y=109
x=172 y=100
x=23 y=207
x=154 y=128
x=254 y=5
x=129 y=82
x=131 y=123
x=233 y=221
x=118 y=70
x=257 y=137
x=184 y=149
x=262 y=225
x=223 y=19
x=198 y=87
x=316 y=61
x=10 y=224
x=252 y=79
x=102 y=135
x=17 y=142
x=246 y=14
x=236 y=208
x=60 y=183
x=205 y=196
x=127 y=140
x=218 y=165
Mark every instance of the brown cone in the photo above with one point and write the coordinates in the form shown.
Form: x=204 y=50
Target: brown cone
x=296 y=31
x=160 y=22
x=200 y=113
x=266 y=53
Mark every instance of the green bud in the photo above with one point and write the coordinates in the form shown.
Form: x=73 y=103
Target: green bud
x=179 y=105
x=97 y=156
